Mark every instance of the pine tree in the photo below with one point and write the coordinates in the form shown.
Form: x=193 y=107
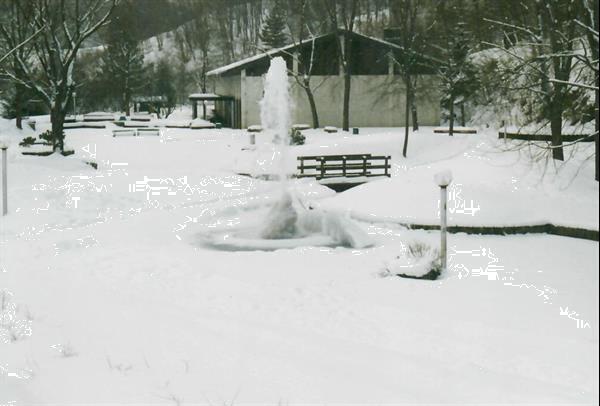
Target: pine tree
x=272 y=33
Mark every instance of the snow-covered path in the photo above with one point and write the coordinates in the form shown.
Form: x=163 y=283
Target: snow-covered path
x=122 y=310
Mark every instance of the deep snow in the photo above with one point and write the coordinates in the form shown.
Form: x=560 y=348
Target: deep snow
x=109 y=296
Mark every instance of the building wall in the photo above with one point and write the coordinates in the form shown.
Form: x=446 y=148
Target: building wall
x=228 y=85
x=375 y=100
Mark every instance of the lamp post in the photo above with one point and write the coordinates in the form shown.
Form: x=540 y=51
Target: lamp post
x=4 y=147
x=74 y=104
x=443 y=179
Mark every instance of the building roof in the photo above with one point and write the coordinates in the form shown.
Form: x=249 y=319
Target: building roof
x=243 y=63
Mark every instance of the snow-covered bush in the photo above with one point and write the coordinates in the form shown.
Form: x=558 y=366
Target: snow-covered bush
x=417 y=261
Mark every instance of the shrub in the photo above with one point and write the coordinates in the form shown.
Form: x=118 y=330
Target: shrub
x=296 y=137
x=27 y=142
x=47 y=136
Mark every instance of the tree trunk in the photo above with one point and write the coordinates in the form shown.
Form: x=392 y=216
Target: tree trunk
x=19 y=106
x=593 y=44
x=126 y=102
x=556 y=111
x=57 y=116
x=596 y=127
x=451 y=123
x=406 y=113
x=346 y=112
x=556 y=127
x=313 y=106
x=126 y=95
x=415 y=118
x=463 y=121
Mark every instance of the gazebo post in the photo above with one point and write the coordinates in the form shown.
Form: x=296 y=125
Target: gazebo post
x=195 y=109
x=204 y=109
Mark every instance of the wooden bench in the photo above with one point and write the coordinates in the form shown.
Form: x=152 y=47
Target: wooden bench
x=136 y=131
x=148 y=131
x=131 y=132
x=346 y=166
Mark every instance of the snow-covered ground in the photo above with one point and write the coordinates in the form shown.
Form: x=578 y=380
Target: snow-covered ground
x=109 y=297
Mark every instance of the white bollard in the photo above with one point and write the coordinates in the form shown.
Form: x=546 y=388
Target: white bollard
x=4 y=182
x=443 y=179
x=443 y=224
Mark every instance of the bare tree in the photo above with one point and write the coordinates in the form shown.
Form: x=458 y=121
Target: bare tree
x=404 y=19
x=304 y=39
x=342 y=16
x=123 y=58
x=551 y=61
x=64 y=26
x=20 y=48
x=196 y=35
x=590 y=27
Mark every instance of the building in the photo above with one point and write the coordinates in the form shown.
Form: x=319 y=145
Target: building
x=377 y=97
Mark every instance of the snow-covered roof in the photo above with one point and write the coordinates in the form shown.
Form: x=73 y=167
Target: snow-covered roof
x=257 y=57
x=204 y=96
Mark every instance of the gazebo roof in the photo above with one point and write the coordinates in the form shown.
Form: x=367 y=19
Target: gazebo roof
x=207 y=96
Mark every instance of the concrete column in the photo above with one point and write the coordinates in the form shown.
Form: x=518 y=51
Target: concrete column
x=4 y=182
x=342 y=45
x=295 y=64
x=243 y=123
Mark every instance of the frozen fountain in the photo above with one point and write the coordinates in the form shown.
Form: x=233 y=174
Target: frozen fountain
x=290 y=222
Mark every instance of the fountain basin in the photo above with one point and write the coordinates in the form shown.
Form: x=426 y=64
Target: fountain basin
x=289 y=224
x=236 y=241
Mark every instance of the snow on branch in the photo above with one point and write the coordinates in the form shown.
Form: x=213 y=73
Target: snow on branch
x=574 y=84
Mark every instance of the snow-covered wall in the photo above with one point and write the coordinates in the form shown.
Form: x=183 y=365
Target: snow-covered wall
x=375 y=101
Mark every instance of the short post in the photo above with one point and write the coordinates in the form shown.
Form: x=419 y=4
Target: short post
x=4 y=182
x=322 y=159
x=443 y=179
x=252 y=138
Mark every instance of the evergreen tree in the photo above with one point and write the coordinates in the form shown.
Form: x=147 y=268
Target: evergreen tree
x=272 y=33
x=123 y=64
